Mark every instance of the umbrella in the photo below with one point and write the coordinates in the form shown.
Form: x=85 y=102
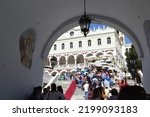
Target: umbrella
x=94 y=80
x=98 y=64
x=73 y=70
x=90 y=57
x=111 y=68
x=82 y=69
x=105 y=67
x=109 y=61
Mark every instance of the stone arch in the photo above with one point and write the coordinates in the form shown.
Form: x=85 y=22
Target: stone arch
x=71 y=59
x=54 y=73
x=99 y=54
x=80 y=58
x=147 y=32
x=102 y=19
x=63 y=71
x=89 y=54
x=109 y=53
x=62 y=60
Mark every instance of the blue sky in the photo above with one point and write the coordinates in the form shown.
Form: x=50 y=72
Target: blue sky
x=127 y=40
x=94 y=25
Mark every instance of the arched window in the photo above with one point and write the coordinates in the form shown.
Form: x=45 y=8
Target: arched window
x=71 y=45
x=108 y=40
x=63 y=46
x=89 y=43
x=55 y=47
x=99 y=42
x=80 y=43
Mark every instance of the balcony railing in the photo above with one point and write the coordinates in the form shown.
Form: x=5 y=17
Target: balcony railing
x=69 y=66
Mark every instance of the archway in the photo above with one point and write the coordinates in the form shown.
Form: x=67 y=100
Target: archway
x=103 y=20
x=49 y=22
x=62 y=60
x=71 y=59
x=80 y=59
x=53 y=73
x=99 y=54
x=89 y=55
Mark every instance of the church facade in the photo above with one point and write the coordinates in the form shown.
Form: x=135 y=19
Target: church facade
x=103 y=45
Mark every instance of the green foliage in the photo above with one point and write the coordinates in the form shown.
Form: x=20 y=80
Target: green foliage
x=133 y=62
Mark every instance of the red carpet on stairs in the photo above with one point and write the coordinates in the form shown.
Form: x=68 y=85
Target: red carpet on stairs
x=70 y=91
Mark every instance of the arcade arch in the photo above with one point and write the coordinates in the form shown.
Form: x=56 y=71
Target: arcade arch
x=109 y=53
x=80 y=58
x=53 y=73
x=62 y=60
x=71 y=59
x=63 y=72
x=99 y=54
x=89 y=55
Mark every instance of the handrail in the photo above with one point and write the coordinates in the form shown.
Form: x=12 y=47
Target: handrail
x=52 y=80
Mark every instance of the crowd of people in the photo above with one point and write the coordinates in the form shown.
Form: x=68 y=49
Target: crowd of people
x=97 y=84
x=50 y=93
x=100 y=84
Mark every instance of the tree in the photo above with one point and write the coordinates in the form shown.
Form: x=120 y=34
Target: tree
x=133 y=62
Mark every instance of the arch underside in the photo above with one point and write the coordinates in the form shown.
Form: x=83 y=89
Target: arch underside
x=103 y=20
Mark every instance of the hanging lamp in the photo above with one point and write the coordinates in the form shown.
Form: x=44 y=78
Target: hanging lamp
x=85 y=22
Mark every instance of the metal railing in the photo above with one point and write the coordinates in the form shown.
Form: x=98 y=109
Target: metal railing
x=69 y=66
x=52 y=80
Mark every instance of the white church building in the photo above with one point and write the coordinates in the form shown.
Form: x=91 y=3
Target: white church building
x=104 y=46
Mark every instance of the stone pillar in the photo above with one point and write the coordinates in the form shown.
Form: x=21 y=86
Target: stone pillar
x=146 y=57
x=66 y=57
x=50 y=61
x=146 y=73
x=66 y=62
x=75 y=62
x=57 y=61
x=50 y=64
x=85 y=63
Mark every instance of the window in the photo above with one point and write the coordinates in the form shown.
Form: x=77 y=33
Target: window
x=126 y=49
x=55 y=47
x=99 y=41
x=71 y=33
x=89 y=42
x=80 y=43
x=108 y=40
x=117 y=32
x=71 y=45
x=63 y=46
